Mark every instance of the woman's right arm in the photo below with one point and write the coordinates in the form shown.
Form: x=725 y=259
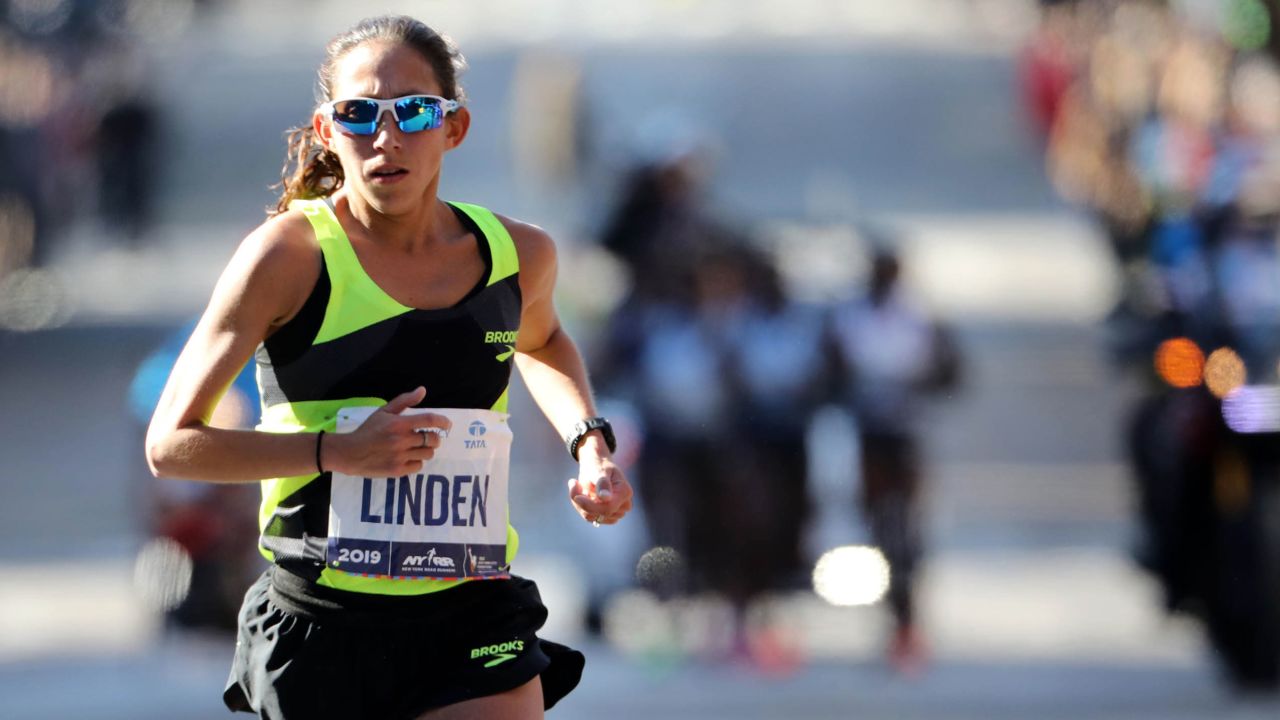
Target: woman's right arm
x=264 y=285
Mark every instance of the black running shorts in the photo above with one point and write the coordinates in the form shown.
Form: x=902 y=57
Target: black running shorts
x=298 y=656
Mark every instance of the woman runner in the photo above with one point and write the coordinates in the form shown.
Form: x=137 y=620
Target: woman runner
x=384 y=322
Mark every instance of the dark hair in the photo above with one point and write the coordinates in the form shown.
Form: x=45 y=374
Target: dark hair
x=310 y=170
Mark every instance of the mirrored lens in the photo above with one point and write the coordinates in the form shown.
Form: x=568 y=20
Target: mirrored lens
x=358 y=116
x=418 y=113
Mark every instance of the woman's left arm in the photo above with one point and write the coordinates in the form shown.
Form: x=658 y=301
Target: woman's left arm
x=553 y=370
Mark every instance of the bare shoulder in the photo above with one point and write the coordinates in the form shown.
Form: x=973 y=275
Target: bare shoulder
x=283 y=239
x=534 y=247
x=276 y=265
x=283 y=249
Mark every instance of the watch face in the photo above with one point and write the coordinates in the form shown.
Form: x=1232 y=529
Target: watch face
x=585 y=426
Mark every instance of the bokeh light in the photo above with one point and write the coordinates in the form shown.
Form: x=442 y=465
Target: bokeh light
x=40 y=17
x=162 y=573
x=1180 y=362
x=640 y=624
x=147 y=19
x=1224 y=371
x=26 y=84
x=1246 y=24
x=1255 y=95
x=630 y=617
x=33 y=300
x=851 y=575
x=1252 y=409
x=660 y=568
x=1118 y=76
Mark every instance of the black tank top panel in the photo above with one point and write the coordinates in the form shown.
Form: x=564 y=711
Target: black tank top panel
x=443 y=350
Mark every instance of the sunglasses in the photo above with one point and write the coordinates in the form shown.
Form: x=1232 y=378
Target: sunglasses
x=413 y=113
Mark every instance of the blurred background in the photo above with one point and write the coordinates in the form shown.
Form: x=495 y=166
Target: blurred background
x=940 y=337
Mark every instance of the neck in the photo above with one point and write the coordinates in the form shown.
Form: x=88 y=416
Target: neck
x=419 y=228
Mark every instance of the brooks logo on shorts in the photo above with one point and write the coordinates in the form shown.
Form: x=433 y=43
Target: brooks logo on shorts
x=498 y=654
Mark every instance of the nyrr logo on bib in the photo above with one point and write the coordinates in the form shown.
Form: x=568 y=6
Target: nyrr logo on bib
x=476 y=430
x=430 y=559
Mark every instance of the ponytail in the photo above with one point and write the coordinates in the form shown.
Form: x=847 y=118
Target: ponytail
x=310 y=171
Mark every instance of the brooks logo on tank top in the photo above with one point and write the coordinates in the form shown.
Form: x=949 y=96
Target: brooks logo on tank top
x=349 y=350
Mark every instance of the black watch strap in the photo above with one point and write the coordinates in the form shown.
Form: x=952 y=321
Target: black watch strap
x=573 y=440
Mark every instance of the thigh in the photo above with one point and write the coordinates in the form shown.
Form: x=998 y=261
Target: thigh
x=522 y=703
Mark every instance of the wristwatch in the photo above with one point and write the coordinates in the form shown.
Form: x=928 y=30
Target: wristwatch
x=574 y=439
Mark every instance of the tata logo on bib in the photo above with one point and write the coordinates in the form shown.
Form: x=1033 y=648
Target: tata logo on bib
x=476 y=430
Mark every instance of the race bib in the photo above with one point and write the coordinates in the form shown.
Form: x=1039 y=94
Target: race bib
x=447 y=521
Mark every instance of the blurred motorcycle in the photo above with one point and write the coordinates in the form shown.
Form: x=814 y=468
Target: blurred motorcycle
x=1204 y=444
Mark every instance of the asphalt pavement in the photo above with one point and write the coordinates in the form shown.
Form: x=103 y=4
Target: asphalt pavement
x=181 y=681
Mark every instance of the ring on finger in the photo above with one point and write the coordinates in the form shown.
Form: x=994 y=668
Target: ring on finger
x=595 y=521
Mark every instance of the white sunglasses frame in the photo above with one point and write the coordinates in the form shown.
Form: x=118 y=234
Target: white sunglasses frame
x=388 y=105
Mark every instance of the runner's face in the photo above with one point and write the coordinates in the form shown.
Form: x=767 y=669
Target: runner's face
x=393 y=171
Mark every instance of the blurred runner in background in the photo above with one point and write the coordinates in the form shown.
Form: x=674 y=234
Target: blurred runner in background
x=663 y=352
x=892 y=356
x=725 y=371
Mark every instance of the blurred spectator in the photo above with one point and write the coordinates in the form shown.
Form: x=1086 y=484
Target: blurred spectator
x=77 y=134
x=1170 y=134
x=1045 y=69
x=215 y=525
x=892 y=356
x=126 y=146
x=27 y=83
